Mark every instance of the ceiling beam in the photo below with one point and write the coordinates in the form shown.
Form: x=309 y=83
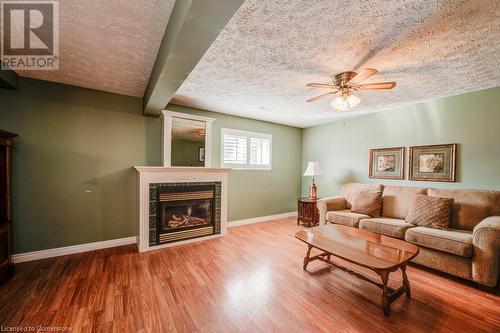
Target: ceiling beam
x=9 y=79
x=191 y=29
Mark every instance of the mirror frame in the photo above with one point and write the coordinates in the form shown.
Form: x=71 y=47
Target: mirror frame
x=166 y=133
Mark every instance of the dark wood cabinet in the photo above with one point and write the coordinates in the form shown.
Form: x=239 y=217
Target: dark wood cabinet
x=5 y=204
x=307 y=211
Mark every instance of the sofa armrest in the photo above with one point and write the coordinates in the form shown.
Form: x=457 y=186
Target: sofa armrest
x=485 y=261
x=328 y=204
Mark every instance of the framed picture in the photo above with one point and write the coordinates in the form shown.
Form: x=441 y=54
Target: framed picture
x=201 y=154
x=387 y=163
x=433 y=163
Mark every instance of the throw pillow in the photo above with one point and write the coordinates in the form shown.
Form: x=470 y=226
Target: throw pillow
x=368 y=203
x=430 y=212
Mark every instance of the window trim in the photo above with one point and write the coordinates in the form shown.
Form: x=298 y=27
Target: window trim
x=248 y=135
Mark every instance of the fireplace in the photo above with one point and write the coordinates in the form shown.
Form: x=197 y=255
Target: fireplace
x=157 y=186
x=183 y=211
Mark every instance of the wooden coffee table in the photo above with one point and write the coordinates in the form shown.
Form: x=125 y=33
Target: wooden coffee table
x=379 y=253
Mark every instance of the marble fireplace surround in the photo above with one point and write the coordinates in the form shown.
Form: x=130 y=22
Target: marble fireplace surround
x=150 y=175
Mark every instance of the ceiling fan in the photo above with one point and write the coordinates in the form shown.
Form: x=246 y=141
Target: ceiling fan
x=345 y=83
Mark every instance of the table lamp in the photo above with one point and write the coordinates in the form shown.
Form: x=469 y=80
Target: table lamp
x=313 y=170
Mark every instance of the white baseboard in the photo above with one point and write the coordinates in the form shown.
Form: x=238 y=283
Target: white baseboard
x=260 y=219
x=62 y=251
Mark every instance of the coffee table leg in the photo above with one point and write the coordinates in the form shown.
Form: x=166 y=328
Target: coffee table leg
x=406 y=282
x=306 y=258
x=385 y=292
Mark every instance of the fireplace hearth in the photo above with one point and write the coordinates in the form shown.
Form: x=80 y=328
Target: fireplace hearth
x=184 y=211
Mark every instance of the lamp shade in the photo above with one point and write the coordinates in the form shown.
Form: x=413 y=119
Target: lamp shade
x=313 y=169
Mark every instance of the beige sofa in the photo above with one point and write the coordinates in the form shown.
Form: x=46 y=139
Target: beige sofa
x=469 y=249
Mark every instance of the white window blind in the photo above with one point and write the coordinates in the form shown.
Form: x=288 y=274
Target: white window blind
x=259 y=151
x=235 y=149
x=246 y=150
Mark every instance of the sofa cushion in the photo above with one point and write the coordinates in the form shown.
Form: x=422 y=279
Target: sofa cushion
x=445 y=262
x=367 y=202
x=350 y=190
x=386 y=226
x=458 y=242
x=431 y=212
x=396 y=200
x=345 y=217
x=470 y=206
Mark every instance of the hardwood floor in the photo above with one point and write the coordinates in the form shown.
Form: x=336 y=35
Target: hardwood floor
x=249 y=281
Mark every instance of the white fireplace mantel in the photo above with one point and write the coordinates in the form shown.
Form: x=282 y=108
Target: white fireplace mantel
x=147 y=175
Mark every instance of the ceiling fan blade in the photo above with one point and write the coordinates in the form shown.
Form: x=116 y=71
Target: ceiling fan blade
x=321 y=96
x=320 y=85
x=363 y=75
x=377 y=86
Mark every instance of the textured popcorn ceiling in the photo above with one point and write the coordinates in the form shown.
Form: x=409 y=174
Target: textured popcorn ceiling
x=108 y=45
x=260 y=63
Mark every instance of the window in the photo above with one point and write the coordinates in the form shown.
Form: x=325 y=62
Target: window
x=246 y=150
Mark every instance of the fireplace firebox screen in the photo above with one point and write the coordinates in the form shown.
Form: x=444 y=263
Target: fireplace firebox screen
x=185 y=212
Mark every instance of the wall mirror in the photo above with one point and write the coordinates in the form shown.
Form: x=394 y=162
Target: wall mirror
x=186 y=140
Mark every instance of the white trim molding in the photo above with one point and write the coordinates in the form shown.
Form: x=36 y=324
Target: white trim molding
x=73 y=249
x=147 y=175
x=166 y=133
x=260 y=219
x=62 y=251
x=248 y=136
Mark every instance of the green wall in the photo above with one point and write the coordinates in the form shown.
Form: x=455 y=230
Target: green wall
x=472 y=120
x=254 y=193
x=72 y=176
x=186 y=153
x=73 y=181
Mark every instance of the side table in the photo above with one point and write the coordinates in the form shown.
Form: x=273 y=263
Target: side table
x=308 y=213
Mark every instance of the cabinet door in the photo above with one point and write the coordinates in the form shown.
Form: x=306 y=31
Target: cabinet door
x=4 y=252
x=4 y=244
x=308 y=211
x=301 y=209
x=4 y=214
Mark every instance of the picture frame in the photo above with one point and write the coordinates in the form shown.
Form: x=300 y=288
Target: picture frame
x=436 y=163
x=386 y=163
x=201 y=154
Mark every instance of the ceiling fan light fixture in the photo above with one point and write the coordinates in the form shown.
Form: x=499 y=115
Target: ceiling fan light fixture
x=345 y=102
x=345 y=83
